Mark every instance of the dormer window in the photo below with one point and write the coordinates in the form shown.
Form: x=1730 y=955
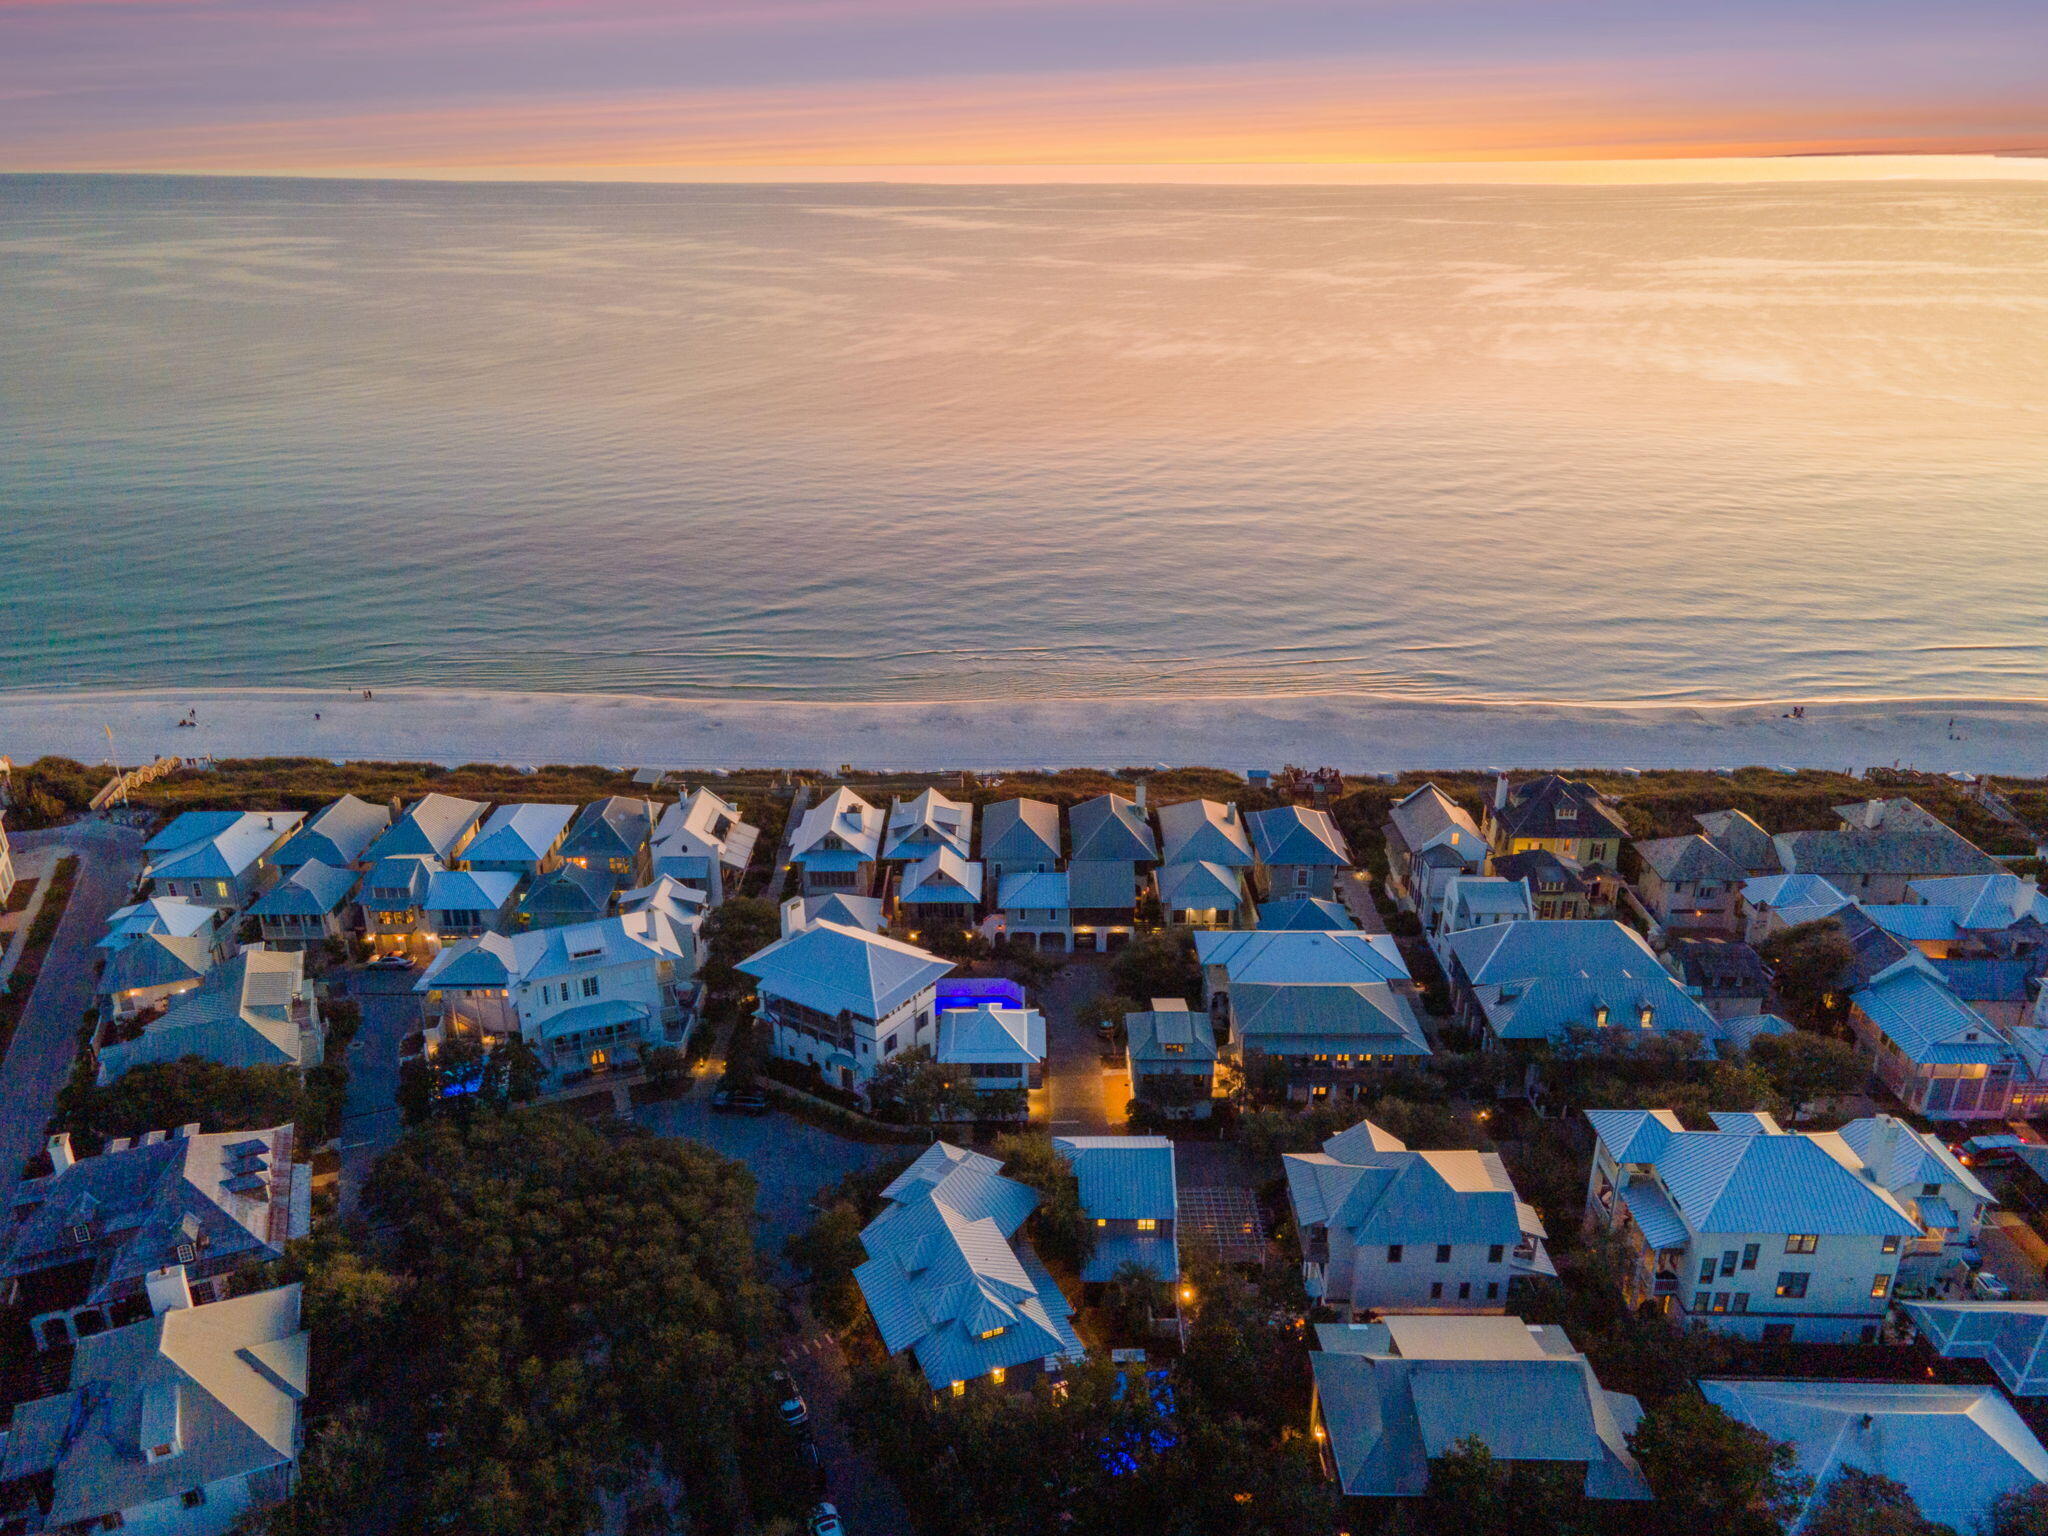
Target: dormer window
x=1600 y=1016
x=186 y=1253
x=993 y=1333
x=1567 y=813
x=81 y=1232
x=1647 y=1017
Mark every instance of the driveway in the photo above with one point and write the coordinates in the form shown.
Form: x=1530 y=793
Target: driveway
x=1082 y=1097
x=370 y=1124
x=2015 y=1253
x=46 y=1041
x=866 y=1499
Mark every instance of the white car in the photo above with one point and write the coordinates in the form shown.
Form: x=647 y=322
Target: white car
x=1988 y=1286
x=825 y=1521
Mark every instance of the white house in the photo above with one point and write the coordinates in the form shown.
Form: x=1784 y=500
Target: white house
x=219 y=858
x=590 y=997
x=945 y=1279
x=703 y=841
x=255 y=1010
x=1384 y=1229
x=993 y=1046
x=845 y=1000
x=435 y=826
x=1299 y=851
x=1037 y=905
x=172 y=916
x=1201 y=894
x=1769 y=904
x=1393 y=1396
x=1931 y=1182
x=1748 y=1228
x=1956 y=1449
x=183 y=1424
x=152 y=968
x=1476 y=901
x=522 y=840
x=1430 y=839
x=339 y=836
x=1321 y=1008
x=926 y=825
x=835 y=845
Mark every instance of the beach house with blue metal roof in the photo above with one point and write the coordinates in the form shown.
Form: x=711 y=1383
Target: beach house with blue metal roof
x=612 y=837
x=835 y=845
x=924 y=825
x=1430 y=838
x=463 y=902
x=1941 y=1057
x=1201 y=894
x=1204 y=831
x=845 y=1000
x=1299 y=851
x=1750 y=1228
x=1128 y=1191
x=939 y=892
x=1316 y=1012
x=308 y=906
x=1170 y=1053
x=338 y=835
x=1019 y=837
x=435 y=826
x=1538 y=984
x=217 y=858
x=523 y=840
x=704 y=841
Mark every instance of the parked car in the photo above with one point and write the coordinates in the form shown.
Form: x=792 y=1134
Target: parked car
x=1988 y=1287
x=789 y=1402
x=740 y=1101
x=1989 y=1151
x=825 y=1521
x=807 y=1453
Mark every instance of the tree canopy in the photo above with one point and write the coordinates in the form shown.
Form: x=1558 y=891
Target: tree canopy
x=1712 y=1472
x=1860 y=1503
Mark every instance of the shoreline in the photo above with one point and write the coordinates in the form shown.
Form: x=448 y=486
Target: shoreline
x=1357 y=732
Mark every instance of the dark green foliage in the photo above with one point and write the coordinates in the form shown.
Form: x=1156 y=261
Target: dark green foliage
x=1809 y=966
x=1158 y=965
x=164 y=1095
x=1859 y=1503
x=1059 y=1229
x=1804 y=1067
x=911 y=1088
x=1712 y=1473
x=2023 y=1512
x=734 y=930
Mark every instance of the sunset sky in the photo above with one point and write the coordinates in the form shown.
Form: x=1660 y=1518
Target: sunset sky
x=682 y=89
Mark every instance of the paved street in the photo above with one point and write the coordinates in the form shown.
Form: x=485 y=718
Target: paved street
x=370 y=1122
x=40 y=1056
x=2014 y=1252
x=865 y=1497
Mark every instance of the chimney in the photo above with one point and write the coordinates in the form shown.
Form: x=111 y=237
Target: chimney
x=187 y=1131
x=1500 y=792
x=168 y=1289
x=1884 y=1146
x=61 y=1156
x=151 y=1138
x=118 y=1144
x=1140 y=794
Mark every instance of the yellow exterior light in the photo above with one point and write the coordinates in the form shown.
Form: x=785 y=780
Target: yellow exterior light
x=997 y=1375
x=1187 y=1293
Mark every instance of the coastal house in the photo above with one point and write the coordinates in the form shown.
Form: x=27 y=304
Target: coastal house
x=1384 y=1229
x=1393 y=1396
x=1206 y=832
x=338 y=835
x=865 y=912
x=391 y=904
x=435 y=826
x=1170 y=1054
x=255 y=1010
x=2009 y=1336
x=6 y=862
x=1037 y=907
x=463 y=902
x=1529 y=984
x=143 y=975
x=1727 y=977
x=1102 y=902
x=1553 y=814
x=308 y=906
x=217 y=858
x=1561 y=889
x=683 y=905
x=1769 y=904
x=589 y=998
x=186 y=1422
x=1305 y=914
x=172 y=916
x=1750 y=1229
x=1299 y=851
x=1314 y=1012
x=1477 y=901
x=1941 y=1057
x=1111 y=829
x=522 y=840
x=845 y=1000
x=1689 y=884
x=1129 y=1193
x=835 y=845
x=1956 y=1450
x=1019 y=837
x=1200 y=894
x=703 y=841
x=1981 y=906
x=947 y=1278
x=568 y=893
x=939 y=893
x=1933 y=1185
x=1746 y=844
x=84 y=1239
x=1880 y=849
x=1430 y=839
x=992 y=1040
x=613 y=838
x=926 y=825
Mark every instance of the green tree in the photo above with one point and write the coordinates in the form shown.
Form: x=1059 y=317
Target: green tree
x=163 y=1095
x=523 y=1069
x=2022 y=1512
x=1810 y=965
x=1060 y=1227
x=1804 y=1068
x=826 y=1253
x=1158 y=965
x=915 y=1089
x=1860 y=1503
x=1106 y=1008
x=1711 y=1472
x=733 y=930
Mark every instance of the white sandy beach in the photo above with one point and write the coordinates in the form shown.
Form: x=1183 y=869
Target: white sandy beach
x=1356 y=732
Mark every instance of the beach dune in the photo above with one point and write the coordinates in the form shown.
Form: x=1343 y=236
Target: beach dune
x=1360 y=733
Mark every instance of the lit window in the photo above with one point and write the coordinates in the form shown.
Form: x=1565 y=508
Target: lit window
x=997 y=1375
x=1147 y=1224
x=1102 y=1221
x=1802 y=1242
x=992 y=1333
x=959 y=1388
x=1881 y=1286
x=1891 y=1244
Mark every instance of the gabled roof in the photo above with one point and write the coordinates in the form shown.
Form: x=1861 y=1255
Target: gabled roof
x=1293 y=956
x=1915 y=1010
x=1111 y=829
x=1795 y=898
x=1534 y=810
x=1102 y=885
x=1170 y=1035
x=572 y=889
x=616 y=827
x=1635 y=1135
x=1897 y=845
x=155 y=960
x=1396 y=1394
x=338 y=834
x=172 y=916
x=1199 y=887
x=431 y=827
x=1020 y=832
x=314 y=889
x=1956 y=1449
x=705 y=828
x=1383 y=1194
x=470 y=890
x=1911 y=921
x=1428 y=818
x=1206 y=831
x=223 y=850
x=239 y=1015
x=1537 y=980
x=1736 y=834
x=540 y=954
x=1034 y=890
x=225 y=1380
x=1290 y=834
x=841 y=814
x=1981 y=902
x=524 y=833
x=941 y=876
x=1305 y=914
x=1487 y=896
x=836 y=969
x=683 y=905
x=848 y=911
x=408 y=874
x=929 y=822
x=1904 y=1159
x=1689 y=858
x=1126 y=1178
x=1325 y=1018
x=991 y=1034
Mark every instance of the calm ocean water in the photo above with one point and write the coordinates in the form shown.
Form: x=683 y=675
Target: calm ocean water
x=893 y=442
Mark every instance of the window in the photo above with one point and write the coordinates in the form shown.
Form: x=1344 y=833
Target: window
x=1699 y=1301
x=194 y=1497
x=1929 y=1191
x=1881 y=1285
x=1706 y=1269
x=1436 y=1291
x=959 y=1388
x=1749 y=1251
x=590 y=986
x=1394 y=1253
x=1465 y=1290
x=1493 y=1290
x=1443 y=1253
x=186 y=1253
x=1147 y=1224
x=1739 y=1302
x=1891 y=1244
x=1728 y=1262
x=997 y=1375
x=1792 y=1284
x=1802 y=1242
x=1301 y=877
x=1496 y=1253
x=1720 y=1301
